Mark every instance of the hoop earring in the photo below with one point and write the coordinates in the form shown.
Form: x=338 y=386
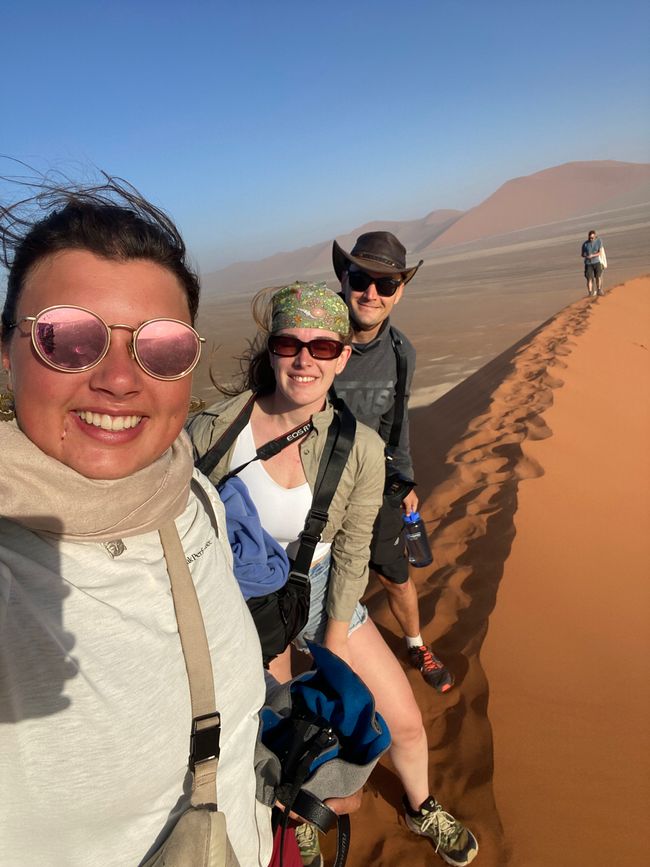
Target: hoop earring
x=7 y=406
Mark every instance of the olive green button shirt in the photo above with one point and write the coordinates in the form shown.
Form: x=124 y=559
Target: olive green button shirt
x=354 y=506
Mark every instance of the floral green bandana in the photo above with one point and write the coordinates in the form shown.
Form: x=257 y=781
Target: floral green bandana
x=309 y=305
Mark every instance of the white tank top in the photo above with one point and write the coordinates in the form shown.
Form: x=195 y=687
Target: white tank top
x=282 y=510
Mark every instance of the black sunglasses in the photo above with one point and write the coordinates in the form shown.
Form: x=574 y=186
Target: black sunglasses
x=322 y=348
x=385 y=286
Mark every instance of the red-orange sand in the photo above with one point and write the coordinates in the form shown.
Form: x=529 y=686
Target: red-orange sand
x=534 y=478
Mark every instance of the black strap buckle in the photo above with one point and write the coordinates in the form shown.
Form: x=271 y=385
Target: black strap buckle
x=319 y=515
x=300 y=578
x=314 y=526
x=311 y=539
x=204 y=742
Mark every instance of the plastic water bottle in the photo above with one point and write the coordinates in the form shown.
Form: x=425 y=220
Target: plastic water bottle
x=416 y=540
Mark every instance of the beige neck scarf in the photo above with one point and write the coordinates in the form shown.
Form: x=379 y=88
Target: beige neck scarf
x=46 y=496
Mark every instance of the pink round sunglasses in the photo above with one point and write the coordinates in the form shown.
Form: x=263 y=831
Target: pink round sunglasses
x=72 y=339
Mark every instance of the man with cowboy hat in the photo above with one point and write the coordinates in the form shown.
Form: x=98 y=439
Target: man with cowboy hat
x=376 y=385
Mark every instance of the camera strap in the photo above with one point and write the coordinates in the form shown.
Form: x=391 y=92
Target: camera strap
x=211 y=458
x=272 y=448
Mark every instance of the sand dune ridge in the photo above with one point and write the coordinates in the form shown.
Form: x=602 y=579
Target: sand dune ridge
x=473 y=449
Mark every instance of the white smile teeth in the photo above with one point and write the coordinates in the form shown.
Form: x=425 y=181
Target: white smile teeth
x=109 y=422
x=304 y=378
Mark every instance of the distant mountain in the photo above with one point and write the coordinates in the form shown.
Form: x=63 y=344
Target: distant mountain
x=268 y=271
x=548 y=196
x=317 y=259
x=414 y=234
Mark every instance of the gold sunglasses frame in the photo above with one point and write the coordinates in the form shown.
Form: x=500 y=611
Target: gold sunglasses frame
x=133 y=349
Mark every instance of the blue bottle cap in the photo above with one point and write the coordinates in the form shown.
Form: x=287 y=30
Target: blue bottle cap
x=412 y=518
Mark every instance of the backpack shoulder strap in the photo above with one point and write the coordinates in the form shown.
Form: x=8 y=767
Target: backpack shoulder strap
x=206 y=721
x=340 y=438
x=340 y=435
x=400 y=390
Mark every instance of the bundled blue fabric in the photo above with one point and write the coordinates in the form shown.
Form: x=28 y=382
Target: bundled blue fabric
x=320 y=739
x=260 y=564
x=335 y=700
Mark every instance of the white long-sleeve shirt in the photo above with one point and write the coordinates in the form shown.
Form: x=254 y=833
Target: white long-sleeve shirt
x=95 y=711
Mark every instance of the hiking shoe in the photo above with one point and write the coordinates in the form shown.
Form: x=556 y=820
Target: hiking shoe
x=454 y=843
x=433 y=671
x=307 y=838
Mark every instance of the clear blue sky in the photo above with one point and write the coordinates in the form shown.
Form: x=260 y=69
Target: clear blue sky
x=265 y=125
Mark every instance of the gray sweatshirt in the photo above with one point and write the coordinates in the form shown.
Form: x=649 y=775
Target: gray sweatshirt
x=368 y=387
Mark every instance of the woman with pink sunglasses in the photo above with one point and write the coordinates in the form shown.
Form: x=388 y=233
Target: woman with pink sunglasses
x=96 y=712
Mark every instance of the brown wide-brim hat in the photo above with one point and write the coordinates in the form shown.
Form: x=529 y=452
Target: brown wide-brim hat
x=379 y=252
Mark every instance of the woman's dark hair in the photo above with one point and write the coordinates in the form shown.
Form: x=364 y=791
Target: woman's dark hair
x=110 y=219
x=256 y=369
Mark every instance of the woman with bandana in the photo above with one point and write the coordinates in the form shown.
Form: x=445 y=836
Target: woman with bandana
x=302 y=345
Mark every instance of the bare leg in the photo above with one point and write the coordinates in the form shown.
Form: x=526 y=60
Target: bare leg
x=403 y=603
x=376 y=665
x=280 y=667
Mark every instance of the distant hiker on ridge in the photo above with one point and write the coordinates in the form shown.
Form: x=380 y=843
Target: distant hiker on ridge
x=373 y=277
x=592 y=251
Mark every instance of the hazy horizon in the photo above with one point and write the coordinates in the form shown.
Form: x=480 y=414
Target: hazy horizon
x=267 y=127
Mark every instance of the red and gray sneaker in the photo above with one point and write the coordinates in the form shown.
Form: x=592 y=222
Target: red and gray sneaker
x=454 y=842
x=433 y=670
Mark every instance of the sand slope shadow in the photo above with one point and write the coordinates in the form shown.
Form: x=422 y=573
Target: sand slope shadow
x=469 y=460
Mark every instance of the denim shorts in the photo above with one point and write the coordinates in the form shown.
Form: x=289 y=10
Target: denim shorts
x=315 y=628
